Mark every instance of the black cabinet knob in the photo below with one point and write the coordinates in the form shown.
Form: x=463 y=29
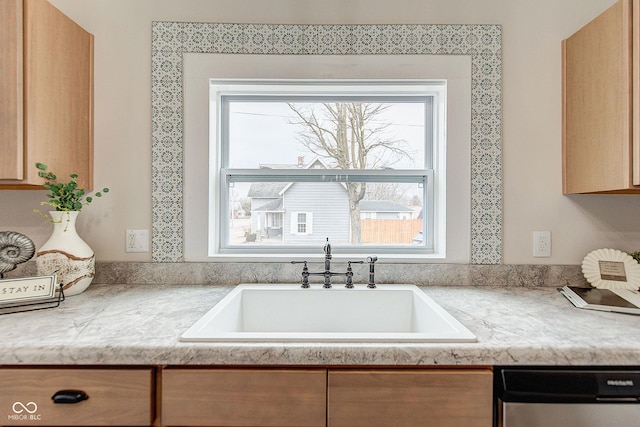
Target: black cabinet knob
x=69 y=396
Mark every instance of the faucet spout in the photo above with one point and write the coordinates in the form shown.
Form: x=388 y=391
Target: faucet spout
x=327 y=273
x=327 y=264
x=327 y=256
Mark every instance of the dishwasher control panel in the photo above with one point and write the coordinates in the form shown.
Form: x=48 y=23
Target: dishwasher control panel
x=562 y=396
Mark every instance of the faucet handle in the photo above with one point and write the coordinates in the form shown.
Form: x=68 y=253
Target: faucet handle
x=372 y=282
x=305 y=273
x=349 y=273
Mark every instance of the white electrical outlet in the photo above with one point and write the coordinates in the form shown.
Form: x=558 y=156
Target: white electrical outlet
x=541 y=244
x=137 y=241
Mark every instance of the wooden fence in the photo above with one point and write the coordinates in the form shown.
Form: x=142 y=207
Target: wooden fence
x=389 y=231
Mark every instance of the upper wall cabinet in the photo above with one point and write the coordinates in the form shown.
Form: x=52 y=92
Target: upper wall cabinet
x=46 y=95
x=601 y=103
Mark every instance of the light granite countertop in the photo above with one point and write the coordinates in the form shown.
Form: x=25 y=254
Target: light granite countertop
x=141 y=325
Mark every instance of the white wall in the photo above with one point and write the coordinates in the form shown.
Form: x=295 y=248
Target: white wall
x=532 y=32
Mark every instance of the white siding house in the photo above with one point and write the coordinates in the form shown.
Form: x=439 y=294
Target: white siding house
x=303 y=212
x=311 y=212
x=314 y=211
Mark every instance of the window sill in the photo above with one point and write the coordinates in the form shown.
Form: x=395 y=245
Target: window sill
x=278 y=258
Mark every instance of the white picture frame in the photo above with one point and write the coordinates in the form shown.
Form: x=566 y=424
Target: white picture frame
x=611 y=269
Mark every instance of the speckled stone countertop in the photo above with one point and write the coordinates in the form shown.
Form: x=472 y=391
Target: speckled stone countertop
x=141 y=325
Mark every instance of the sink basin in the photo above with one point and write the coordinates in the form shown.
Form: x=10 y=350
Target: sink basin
x=389 y=313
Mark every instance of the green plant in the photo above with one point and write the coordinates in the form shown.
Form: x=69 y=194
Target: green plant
x=635 y=255
x=64 y=196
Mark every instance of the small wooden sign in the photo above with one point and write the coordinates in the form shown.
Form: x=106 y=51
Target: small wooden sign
x=612 y=270
x=27 y=289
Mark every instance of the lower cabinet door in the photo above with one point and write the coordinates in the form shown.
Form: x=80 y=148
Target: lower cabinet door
x=77 y=397
x=243 y=397
x=412 y=397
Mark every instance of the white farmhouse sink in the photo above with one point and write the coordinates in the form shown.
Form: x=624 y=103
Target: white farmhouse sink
x=391 y=313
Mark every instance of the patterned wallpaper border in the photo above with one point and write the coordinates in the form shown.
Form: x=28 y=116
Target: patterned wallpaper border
x=170 y=40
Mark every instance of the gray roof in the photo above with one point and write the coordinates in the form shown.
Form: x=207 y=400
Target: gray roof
x=382 y=206
x=266 y=189
x=273 y=206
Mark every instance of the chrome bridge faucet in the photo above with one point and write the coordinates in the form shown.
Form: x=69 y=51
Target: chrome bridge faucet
x=327 y=273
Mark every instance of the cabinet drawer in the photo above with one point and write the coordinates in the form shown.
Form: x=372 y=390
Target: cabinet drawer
x=437 y=397
x=115 y=397
x=243 y=397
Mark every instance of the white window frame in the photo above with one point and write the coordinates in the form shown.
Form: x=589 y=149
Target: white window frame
x=433 y=175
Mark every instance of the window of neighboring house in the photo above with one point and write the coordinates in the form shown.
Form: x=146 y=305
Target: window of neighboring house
x=275 y=219
x=301 y=222
x=297 y=162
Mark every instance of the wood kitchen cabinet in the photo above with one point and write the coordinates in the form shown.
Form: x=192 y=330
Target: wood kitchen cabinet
x=243 y=397
x=114 y=396
x=411 y=397
x=601 y=103
x=246 y=396
x=46 y=95
x=326 y=397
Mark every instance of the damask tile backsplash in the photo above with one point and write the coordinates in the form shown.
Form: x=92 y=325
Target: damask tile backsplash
x=170 y=40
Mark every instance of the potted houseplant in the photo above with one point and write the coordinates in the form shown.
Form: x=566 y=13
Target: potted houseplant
x=65 y=254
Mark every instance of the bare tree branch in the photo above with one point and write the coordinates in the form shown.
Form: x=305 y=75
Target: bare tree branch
x=348 y=136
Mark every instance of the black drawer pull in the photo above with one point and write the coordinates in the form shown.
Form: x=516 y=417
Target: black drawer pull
x=69 y=396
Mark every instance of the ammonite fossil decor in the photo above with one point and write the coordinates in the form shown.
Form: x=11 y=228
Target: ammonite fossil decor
x=15 y=248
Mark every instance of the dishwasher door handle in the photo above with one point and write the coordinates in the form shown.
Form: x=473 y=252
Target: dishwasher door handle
x=606 y=399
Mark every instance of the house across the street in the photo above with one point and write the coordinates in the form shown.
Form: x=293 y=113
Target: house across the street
x=309 y=212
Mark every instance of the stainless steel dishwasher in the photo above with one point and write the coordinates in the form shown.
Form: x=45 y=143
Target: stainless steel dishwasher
x=567 y=397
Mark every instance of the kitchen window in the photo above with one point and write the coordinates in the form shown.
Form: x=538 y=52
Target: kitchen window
x=296 y=162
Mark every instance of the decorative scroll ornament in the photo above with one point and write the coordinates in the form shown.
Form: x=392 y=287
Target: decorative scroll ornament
x=15 y=248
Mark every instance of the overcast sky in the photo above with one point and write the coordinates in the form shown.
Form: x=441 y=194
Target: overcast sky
x=262 y=133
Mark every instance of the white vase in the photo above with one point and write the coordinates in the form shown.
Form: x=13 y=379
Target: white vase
x=66 y=255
